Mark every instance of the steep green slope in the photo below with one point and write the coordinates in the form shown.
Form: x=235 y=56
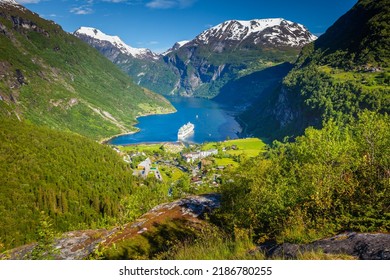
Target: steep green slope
x=76 y=181
x=328 y=181
x=52 y=78
x=152 y=74
x=360 y=37
x=209 y=71
x=342 y=73
x=246 y=90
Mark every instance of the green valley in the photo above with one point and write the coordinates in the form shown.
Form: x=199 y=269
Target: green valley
x=51 y=78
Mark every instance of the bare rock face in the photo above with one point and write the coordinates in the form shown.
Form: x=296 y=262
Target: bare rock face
x=364 y=246
x=78 y=245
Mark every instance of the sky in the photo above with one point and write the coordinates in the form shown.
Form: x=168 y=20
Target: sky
x=158 y=24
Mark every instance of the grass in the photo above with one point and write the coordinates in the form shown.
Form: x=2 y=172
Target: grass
x=369 y=80
x=170 y=173
x=250 y=147
x=226 y=162
x=215 y=245
x=141 y=148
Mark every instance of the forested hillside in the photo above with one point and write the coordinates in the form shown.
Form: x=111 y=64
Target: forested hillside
x=328 y=181
x=54 y=79
x=343 y=72
x=77 y=182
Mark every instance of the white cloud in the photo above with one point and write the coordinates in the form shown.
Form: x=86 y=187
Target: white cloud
x=88 y=7
x=161 y=4
x=131 y=2
x=28 y=1
x=115 y=1
x=82 y=10
x=168 y=4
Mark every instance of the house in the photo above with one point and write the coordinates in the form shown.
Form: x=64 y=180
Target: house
x=204 y=154
x=144 y=167
x=191 y=157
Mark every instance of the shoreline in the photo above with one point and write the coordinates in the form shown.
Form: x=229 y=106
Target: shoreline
x=105 y=141
x=154 y=143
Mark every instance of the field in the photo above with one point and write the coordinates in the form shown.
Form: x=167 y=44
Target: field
x=170 y=174
x=141 y=148
x=172 y=148
x=226 y=162
x=369 y=80
x=250 y=147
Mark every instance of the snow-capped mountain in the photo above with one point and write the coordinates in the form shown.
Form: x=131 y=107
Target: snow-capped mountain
x=111 y=46
x=217 y=54
x=203 y=65
x=276 y=32
x=176 y=46
x=12 y=3
x=9 y=2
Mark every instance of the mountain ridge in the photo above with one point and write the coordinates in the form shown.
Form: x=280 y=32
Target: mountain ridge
x=201 y=66
x=52 y=78
x=240 y=30
x=116 y=42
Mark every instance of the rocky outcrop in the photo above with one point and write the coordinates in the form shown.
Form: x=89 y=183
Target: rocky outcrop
x=363 y=246
x=77 y=245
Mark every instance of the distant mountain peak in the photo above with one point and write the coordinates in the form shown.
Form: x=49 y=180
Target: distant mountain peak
x=276 y=31
x=176 y=46
x=115 y=41
x=11 y=2
x=8 y=1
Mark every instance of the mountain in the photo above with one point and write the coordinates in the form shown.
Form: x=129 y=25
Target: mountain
x=52 y=78
x=111 y=46
x=234 y=49
x=175 y=47
x=146 y=68
x=360 y=37
x=202 y=66
x=342 y=73
x=274 y=32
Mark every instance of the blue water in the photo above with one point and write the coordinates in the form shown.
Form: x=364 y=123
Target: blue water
x=212 y=123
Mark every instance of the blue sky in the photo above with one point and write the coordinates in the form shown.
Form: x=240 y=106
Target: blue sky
x=158 y=24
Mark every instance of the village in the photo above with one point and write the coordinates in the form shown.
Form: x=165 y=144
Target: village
x=199 y=166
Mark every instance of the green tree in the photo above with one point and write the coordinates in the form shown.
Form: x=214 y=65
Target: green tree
x=44 y=249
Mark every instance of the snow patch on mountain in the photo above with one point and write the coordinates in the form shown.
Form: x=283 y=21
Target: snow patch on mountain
x=176 y=46
x=12 y=2
x=116 y=42
x=182 y=43
x=275 y=30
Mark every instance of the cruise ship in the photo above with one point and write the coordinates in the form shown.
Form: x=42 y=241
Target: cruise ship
x=185 y=130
